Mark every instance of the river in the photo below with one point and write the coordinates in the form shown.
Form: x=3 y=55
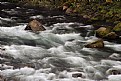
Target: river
x=56 y=54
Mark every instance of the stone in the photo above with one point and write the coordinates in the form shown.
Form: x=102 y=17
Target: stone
x=102 y=31
x=35 y=25
x=76 y=75
x=113 y=71
x=96 y=44
x=111 y=35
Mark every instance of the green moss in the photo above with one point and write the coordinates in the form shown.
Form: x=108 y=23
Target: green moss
x=117 y=28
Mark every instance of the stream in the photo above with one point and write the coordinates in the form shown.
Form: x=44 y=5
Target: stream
x=56 y=54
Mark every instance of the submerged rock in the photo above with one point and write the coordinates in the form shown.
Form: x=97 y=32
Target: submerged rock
x=102 y=31
x=96 y=44
x=35 y=25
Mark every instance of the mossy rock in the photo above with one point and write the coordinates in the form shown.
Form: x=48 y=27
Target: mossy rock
x=102 y=31
x=117 y=28
x=111 y=35
x=96 y=44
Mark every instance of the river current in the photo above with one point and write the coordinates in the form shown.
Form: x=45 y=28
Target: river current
x=56 y=54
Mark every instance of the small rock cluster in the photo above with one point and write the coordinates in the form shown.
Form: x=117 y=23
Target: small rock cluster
x=109 y=33
x=105 y=33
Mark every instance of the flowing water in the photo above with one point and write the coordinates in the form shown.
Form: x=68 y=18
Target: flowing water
x=57 y=54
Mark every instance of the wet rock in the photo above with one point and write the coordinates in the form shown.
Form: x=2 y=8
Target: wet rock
x=102 y=31
x=76 y=75
x=35 y=25
x=111 y=35
x=113 y=71
x=96 y=44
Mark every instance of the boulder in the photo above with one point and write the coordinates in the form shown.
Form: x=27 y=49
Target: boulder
x=111 y=35
x=96 y=44
x=35 y=25
x=102 y=31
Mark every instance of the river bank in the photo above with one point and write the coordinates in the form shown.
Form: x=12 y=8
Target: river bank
x=97 y=13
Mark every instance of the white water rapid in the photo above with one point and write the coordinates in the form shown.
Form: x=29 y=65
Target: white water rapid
x=56 y=57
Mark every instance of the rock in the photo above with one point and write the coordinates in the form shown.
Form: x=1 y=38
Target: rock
x=102 y=31
x=76 y=75
x=69 y=10
x=113 y=71
x=35 y=25
x=111 y=35
x=96 y=44
x=117 y=28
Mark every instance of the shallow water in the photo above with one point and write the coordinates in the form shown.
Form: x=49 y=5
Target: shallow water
x=55 y=54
